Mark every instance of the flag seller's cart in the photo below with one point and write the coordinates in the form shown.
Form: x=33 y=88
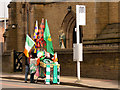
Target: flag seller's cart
x=49 y=72
x=45 y=65
x=52 y=72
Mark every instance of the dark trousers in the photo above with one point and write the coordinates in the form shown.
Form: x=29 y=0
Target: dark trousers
x=26 y=72
x=32 y=77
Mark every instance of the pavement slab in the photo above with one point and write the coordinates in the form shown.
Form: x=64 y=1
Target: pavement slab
x=70 y=80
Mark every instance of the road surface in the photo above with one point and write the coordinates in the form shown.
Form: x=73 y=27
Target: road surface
x=11 y=83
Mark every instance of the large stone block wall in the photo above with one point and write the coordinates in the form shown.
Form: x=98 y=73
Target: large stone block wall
x=106 y=13
x=98 y=15
x=94 y=65
x=55 y=14
x=102 y=16
x=100 y=65
x=114 y=12
x=8 y=62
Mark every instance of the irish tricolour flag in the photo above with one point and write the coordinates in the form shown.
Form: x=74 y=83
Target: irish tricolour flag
x=28 y=45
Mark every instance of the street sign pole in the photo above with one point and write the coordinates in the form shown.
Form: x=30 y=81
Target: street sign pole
x=80 y=20
x=78 y=62
x=78 y=69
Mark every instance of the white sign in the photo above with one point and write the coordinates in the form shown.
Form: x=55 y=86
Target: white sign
x=81 y=14
x=77 y=52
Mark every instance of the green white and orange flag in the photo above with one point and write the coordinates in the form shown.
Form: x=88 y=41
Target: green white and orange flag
x=28 y=45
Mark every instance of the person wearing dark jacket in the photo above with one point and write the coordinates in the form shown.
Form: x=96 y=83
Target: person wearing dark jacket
x=26 y=68
x=33 y=56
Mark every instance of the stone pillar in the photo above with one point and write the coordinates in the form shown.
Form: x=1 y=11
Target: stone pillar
x=31 y=20
x=10 y=35
x=20 y=31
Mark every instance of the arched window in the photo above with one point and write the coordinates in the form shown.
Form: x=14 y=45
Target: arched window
x=68 y=26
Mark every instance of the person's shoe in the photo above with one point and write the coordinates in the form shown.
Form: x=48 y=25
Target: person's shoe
x=32 y=82
x=25 y=81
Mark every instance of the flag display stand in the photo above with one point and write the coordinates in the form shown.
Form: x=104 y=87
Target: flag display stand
x=52 y=73
x=49 y=72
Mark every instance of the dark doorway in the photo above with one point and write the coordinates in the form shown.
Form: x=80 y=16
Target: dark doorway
x=81 y=34
x=74 y=35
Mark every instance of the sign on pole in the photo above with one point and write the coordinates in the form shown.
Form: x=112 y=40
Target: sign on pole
x=77 y=48
x=78 y=52
x=81 y=14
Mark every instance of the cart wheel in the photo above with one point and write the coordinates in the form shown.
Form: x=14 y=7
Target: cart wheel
x=58 y=83
x=35 y=81
x=44 y=81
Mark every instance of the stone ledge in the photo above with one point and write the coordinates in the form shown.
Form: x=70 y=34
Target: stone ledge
x=64 y=51
x=90 y=50
x=8 y=52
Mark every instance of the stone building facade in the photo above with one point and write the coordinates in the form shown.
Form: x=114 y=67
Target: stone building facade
x=100 y=35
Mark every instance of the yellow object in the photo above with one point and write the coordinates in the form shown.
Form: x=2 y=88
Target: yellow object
x=51 y=65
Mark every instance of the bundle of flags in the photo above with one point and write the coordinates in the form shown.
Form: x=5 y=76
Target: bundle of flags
x=41 y=38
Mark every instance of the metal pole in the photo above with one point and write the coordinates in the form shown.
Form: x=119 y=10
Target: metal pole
x=78 y=62
x=80 y=16
x=4 y=16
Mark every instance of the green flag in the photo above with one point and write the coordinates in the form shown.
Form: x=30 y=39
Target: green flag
x=47 y=38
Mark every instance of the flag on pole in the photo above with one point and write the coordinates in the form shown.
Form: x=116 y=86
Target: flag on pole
x=28 y=45
x=40 y=40
x=35 y=36
x=47 y=38
x=36 y=30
